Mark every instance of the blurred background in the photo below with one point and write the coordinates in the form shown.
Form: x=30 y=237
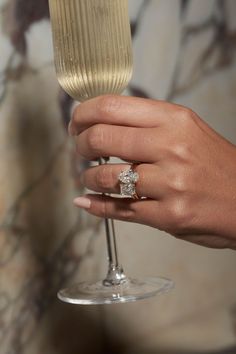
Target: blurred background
x=185 y=52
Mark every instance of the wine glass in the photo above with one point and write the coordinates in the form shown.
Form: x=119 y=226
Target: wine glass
x=93 y=56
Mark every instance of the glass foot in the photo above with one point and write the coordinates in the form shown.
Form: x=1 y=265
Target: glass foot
x=128 y=291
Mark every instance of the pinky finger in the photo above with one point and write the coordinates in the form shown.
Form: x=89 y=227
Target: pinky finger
x=126 y=209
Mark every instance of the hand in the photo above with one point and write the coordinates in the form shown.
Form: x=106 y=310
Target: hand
x=187 y=171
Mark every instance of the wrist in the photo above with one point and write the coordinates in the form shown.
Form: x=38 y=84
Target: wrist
x=225 y=216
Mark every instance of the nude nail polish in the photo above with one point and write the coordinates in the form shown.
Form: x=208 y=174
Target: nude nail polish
x=82 y=202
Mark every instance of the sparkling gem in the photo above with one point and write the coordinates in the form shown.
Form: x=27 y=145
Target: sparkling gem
x=127 y=189
x=128 y=176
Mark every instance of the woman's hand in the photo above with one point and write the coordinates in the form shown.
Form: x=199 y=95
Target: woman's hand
x=187 y=171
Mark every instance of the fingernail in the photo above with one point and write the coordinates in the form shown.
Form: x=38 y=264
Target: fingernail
x=71 y=129
x=82 y=202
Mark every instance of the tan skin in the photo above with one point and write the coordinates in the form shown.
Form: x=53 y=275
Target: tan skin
x=187 y=171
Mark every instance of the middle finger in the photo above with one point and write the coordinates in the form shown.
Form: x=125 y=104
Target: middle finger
x=127 y=143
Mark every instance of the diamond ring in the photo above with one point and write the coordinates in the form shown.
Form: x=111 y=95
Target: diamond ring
x=128 y=180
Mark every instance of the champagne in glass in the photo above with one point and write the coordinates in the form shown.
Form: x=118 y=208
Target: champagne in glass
x=93 y=56
x=92 y=43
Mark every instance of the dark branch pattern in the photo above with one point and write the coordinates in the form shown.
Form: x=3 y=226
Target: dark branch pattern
x=9 y=224
x=223 y=43
x=39 y=293
x=32 y=301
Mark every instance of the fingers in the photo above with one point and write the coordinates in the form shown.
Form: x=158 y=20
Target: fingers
x=142 y=211
x=105 y=179
x=120 y=110
x=130 y=144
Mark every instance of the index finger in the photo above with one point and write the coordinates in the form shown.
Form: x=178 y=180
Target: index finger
x=119 y=110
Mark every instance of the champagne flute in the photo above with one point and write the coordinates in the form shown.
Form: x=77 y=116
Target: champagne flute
x=93 y=56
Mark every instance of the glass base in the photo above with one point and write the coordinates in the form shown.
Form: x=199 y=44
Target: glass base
x=129 y=290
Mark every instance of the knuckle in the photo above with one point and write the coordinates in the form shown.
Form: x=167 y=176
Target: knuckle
x=126 y=214
x=128 y=142
x=104 y=178
x=182 y=146
x=119 y=212
x=181 y=151
x=127 y=211
x=95 y=138
x=180 y=216
x=185 y=114
x=108 y=104
x=179 y=184
x=103 y=212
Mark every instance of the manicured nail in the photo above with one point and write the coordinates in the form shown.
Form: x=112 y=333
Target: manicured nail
x=82 y=202
x=71 y=129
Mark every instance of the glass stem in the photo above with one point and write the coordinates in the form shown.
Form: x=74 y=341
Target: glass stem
x=115 y=275
x=111 y=243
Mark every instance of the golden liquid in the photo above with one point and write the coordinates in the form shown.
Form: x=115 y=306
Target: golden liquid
x=92 y=46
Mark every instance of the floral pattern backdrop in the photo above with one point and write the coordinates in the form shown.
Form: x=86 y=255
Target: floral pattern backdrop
x=185 y=51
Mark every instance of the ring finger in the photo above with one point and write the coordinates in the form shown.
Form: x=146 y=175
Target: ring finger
x=105 y=179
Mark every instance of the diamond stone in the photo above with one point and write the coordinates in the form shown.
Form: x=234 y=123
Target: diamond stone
x=128 y=177
x=127 y=189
